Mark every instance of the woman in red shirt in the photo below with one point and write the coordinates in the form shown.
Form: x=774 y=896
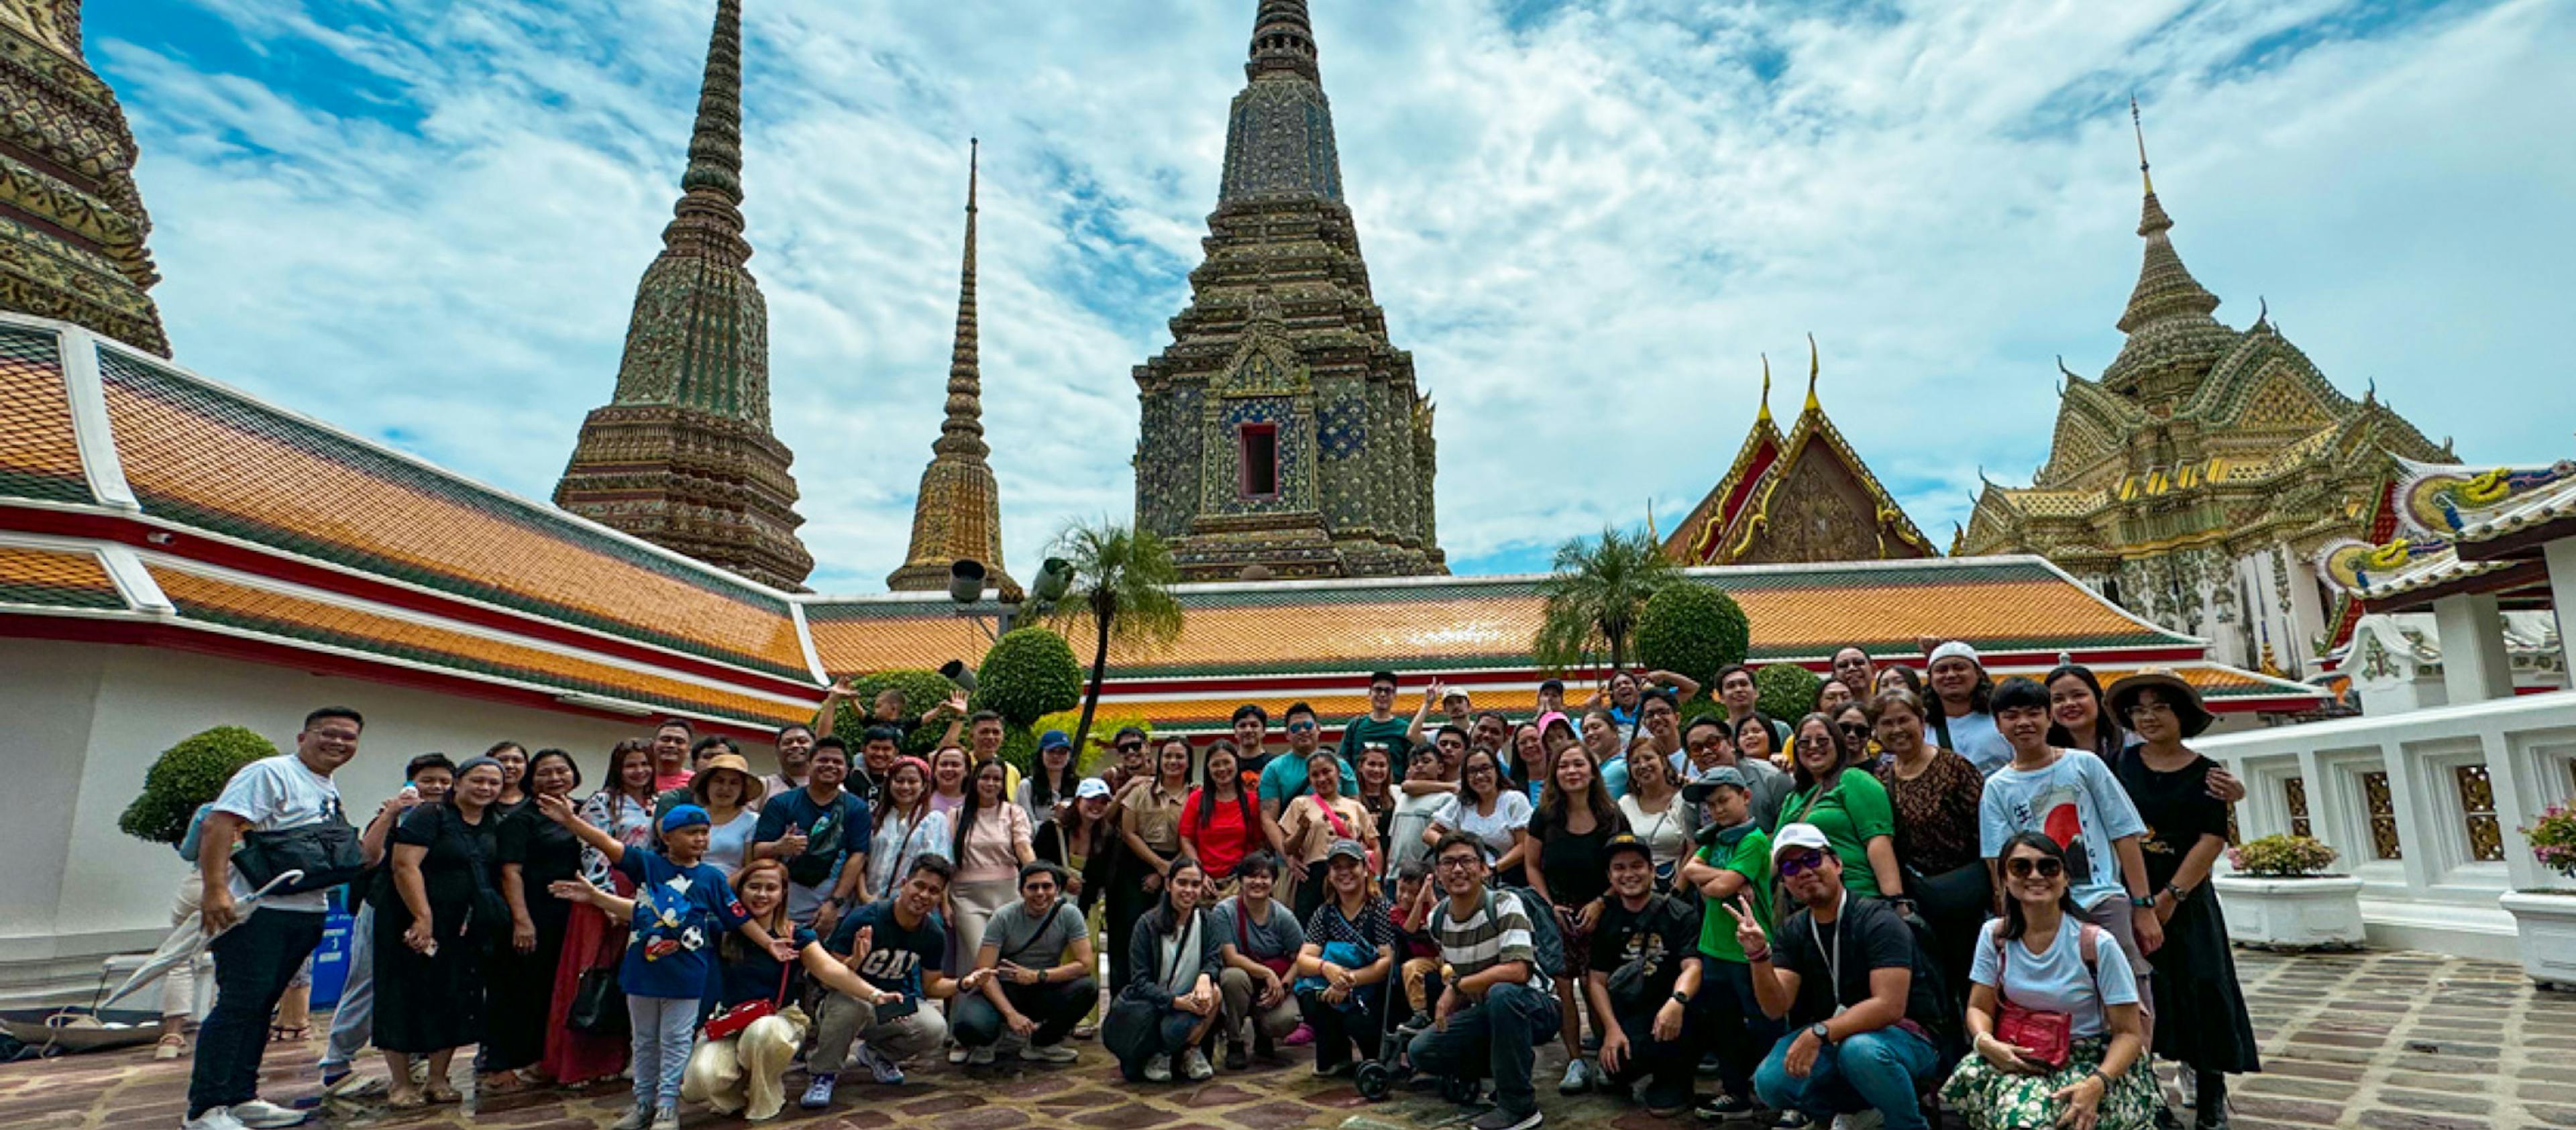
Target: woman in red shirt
x=1219 y=825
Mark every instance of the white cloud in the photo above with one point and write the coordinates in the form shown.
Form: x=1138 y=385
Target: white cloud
x=1585 y=225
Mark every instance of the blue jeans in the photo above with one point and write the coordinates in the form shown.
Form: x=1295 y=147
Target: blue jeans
x=1497 y=1036
x=1879 y=1071
x=353 y=1019
x=659 y=1029
x=254 y=961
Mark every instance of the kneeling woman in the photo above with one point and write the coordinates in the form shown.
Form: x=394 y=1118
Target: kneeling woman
x=1342 y=968
x=740 y=1071
x=2042 y=969
x=1171 y=1004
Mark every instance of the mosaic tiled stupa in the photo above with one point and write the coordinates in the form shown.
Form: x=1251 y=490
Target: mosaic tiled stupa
x=958 y=512
x=72 y=224
x=1282 y=434
x=682 y=455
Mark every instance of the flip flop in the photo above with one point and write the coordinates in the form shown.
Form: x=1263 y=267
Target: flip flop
x=413 y=1101
x=442 y=1093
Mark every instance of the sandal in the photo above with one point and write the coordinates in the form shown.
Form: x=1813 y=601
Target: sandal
x=281 y=1034
x=407 y=1100
x=440 y=1092
x=171 y=1046
x=501 y=1083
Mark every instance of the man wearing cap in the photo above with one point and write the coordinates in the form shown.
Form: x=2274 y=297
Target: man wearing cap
x=1734 y=859
x=1646 y=970
x=1496 y=1002
x=1551 y=698
x=1857 y=993
x=1456 y=709
x=821 y=832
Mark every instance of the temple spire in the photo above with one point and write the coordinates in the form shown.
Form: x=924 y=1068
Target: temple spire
x=2165 y=288
x=957 y=514
x=2139 y=126
x=1764 y=416
x=708 y=219
x=1813 y=368
x=1283 y=39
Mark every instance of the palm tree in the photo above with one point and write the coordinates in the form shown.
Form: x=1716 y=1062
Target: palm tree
x=1122 y=580
x=1593 y=600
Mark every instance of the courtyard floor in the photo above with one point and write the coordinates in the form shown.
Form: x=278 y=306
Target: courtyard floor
x=2386 y=1041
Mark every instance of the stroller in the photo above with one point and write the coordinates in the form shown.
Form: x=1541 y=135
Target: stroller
x=1379 y=1077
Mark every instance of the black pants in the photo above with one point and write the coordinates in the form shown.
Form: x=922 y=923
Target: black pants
x=1338 y=1031
x=1128 y=901
x=1668 y=1066
x=1056 y=1006
x=253 y=962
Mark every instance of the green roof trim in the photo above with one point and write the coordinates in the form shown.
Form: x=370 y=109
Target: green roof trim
x=44 y=595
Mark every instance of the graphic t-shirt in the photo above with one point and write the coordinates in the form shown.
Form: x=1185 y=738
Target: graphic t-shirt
x=680 y=914
x=2176 y=808
x=834 y=830
x=895 y=955
x=1658 y=937
x=274 y=794
x=2075 y=801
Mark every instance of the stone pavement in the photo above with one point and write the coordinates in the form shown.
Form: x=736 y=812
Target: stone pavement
x=2382 y=1041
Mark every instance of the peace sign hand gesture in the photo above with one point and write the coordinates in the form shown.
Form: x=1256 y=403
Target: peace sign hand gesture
x=1748 y=928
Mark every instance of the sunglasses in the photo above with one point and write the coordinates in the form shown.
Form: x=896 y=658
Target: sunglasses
x=1801 y=863
x=2025 y=866
x=1855 y=728
x=1130 y=747
x=1301 y=727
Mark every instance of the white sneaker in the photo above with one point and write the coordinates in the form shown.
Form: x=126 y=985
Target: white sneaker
x=261 y=1114
x=215 y=1118
x=1158 y=1069
x=957 y=1055
x=1049 y=1053
x=980 y=1057
x=1194 y=1064
x=1578 y=1078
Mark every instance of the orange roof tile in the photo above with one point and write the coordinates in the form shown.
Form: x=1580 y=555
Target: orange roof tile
x=220 y=601
x=38 y=456
x=200 y=456
x=56 y=579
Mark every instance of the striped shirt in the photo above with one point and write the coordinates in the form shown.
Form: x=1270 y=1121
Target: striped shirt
x=1498 y=930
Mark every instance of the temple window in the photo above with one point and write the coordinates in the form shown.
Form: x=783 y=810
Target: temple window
x=1258 y=444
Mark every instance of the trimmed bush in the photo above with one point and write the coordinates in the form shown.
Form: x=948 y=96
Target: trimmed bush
x=1787 y=691
x=923 y=692
x=1104 y=726
x=2281 y=857
x=1692 y=629
x=186 y=775
x=1029 y=674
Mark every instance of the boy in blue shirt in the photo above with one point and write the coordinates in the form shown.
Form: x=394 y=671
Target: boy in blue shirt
x=681 y=907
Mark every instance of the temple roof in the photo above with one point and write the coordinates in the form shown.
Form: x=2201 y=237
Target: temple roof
x=145 y=505
x=2458 y=530
x=1804 y=497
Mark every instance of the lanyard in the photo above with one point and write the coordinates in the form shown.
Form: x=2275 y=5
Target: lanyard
x=1833 y=958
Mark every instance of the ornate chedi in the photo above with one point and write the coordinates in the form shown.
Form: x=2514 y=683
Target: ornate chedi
x=958 y=512
x=682 y=456
x=1805 y=497
x=2196 y=480
x=1282 y=434
x=71 y=222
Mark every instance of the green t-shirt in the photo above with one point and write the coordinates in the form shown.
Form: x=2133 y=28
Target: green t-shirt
x=1363 y=730
x=1751 y=858
x=1850 y=814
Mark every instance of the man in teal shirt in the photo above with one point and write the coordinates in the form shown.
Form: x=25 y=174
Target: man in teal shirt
x=1379 y=725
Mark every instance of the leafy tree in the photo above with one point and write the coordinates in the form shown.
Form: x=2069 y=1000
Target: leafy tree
x=1692 y=629
x=1596 y=596
x=1028 y=674
x=1122 y=583
x=187 y=775
x=1786 y=691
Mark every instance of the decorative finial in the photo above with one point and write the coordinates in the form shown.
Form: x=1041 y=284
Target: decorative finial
x=2263 y=312
x=1651 y=534
x=2140 y=127
x=2370 y=394
x=1812 y=368
x=974 y=168
x=2061 y=367
x=1765 y=414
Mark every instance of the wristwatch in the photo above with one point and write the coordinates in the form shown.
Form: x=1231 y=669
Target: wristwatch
x=1680 y=997
x=2143 y=902
x=1823 y=1034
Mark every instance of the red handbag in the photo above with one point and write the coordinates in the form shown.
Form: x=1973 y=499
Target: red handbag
x=732 y=1021
x=2045 y=1037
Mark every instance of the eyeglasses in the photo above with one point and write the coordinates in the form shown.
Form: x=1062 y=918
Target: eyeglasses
x=1801 y=863
x=2144 y=709
x=2022 y=867
x=1706 y=743
x=1487 y=770
x=1814 y=743
x=1459 y=862
x=1381 y=690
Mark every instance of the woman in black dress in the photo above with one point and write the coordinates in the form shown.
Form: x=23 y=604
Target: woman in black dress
x=2200 y=1018
x=534 y=852
x=432 y=923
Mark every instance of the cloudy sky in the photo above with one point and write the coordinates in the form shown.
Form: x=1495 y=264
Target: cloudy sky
x=424 y=219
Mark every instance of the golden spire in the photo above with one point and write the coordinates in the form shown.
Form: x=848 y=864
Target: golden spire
x=1765 y=416
x=1812 y=368
x=2140 y=128
x=1651 y=535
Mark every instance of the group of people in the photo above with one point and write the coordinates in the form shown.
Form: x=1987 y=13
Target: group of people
x=1931 y=888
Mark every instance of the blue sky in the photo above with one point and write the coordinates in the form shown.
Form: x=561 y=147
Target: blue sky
x=424 y=220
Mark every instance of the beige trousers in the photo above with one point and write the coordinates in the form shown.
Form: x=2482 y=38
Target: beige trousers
x=743 y=1073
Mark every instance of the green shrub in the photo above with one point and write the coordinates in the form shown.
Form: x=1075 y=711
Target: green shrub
x=1028 y=674
x=923 y=692
x=2281 y=857
x=1692 y=629
x=1787 y=691
x=186 y=775
x=1104 y=726
x=1019 y=748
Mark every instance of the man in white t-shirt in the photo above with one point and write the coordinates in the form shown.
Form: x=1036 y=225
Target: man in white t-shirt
x=257 y=954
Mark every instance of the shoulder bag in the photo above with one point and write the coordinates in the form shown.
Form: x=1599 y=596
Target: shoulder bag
x=2045 y=1037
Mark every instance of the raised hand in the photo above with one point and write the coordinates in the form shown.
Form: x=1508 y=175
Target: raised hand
x=845 y=687
x=860 y=947
x=956 y=702
x=1748 y=926
x=555 y=807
